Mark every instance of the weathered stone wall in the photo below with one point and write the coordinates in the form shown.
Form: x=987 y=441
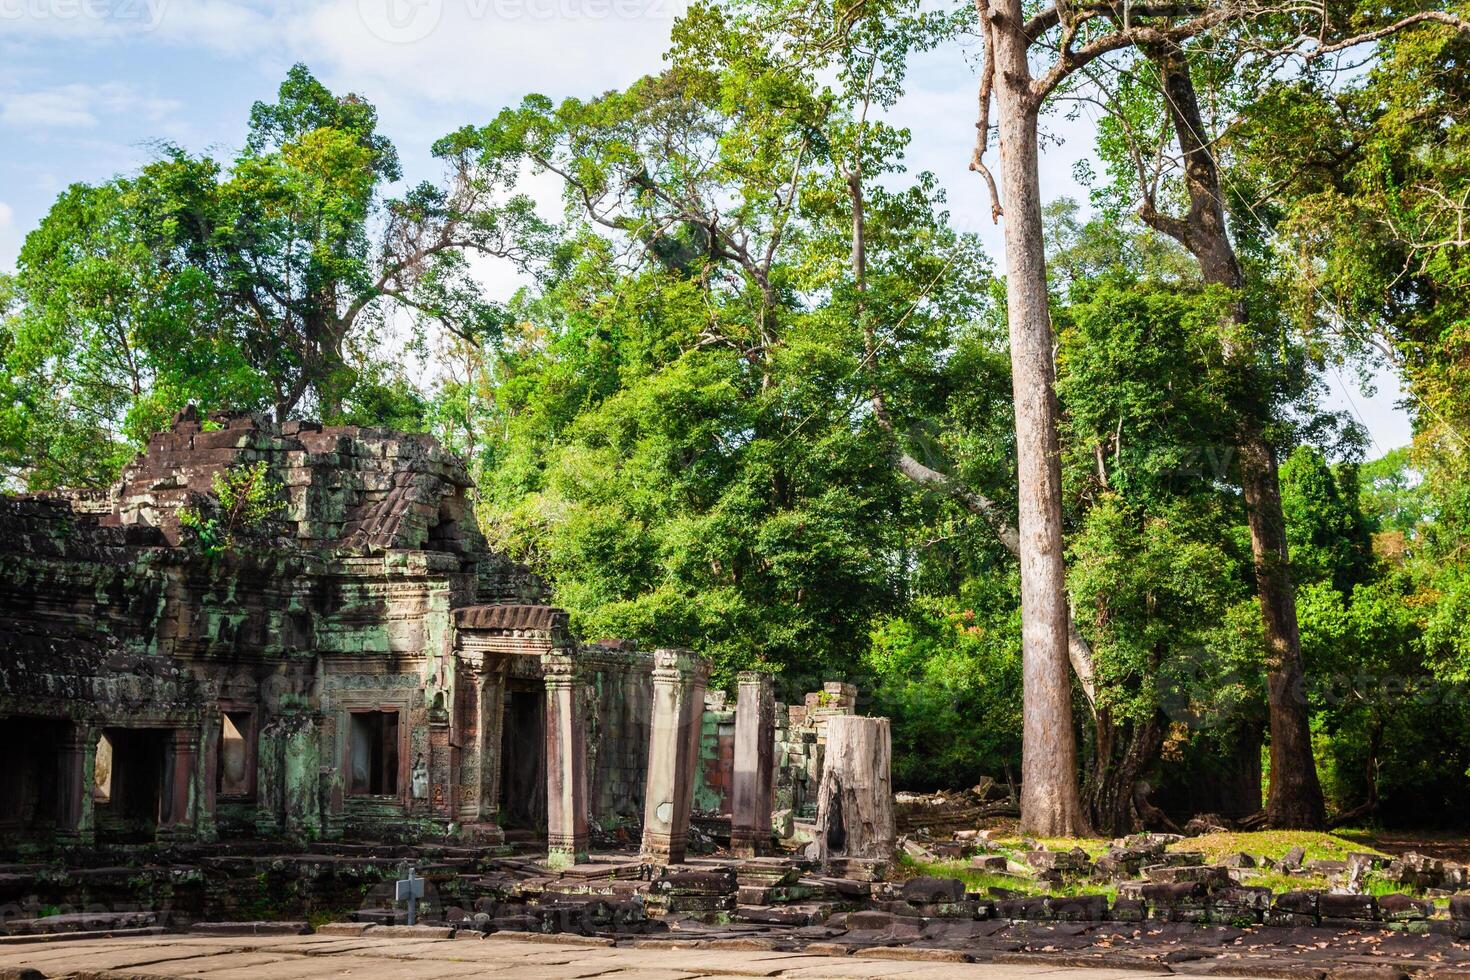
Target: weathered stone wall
x=799 y=750
x=619 y=705
x=111 y=622
x=715 y=775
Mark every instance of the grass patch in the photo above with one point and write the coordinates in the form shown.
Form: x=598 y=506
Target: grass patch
x=1274 y=844
x=982 y=881
x=1095 y=847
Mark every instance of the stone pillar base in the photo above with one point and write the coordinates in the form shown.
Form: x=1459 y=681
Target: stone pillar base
x=564 y=854
x=483 y=834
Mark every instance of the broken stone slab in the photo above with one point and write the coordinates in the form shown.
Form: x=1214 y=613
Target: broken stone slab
x=343 y=928
x=1176 y=901
x=1155 y=842
x=968 y=909
x=918 y=954
x=81 y=922
x=766 y=872
x=411 y=932
x=1417 y=871
x=858 y=869
x=988 y=862
x=1074 y=861
x=787 y=915
x=1293 y=859
x=696 y=883
x=933 y=890
x=1239 y=859
x=918 y=851
x=251 y=928
x=1404 y=908
x=1243 y=900
x=1210 y=875
x=1366 y=861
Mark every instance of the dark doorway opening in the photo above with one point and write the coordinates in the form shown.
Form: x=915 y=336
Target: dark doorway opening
x=30 y=779
x=523 y=760
x=373 y=753
x=128 y=787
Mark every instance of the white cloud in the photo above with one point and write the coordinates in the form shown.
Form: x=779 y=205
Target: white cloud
x=486 y=51
x=79 y=106
x=8 y=244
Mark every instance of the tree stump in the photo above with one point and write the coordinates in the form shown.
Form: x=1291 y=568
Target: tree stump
x=855 y=798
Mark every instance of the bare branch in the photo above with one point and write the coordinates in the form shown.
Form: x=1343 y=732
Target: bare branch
x=982 y=123
x=1424 y=17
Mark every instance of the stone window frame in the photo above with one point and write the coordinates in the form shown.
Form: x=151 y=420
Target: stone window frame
x=369 y=703
x=252 y=750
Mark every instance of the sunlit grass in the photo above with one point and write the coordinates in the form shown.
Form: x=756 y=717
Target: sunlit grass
x=980 y=881
x=1274 y=844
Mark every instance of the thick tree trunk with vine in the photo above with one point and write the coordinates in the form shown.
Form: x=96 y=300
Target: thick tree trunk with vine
x=1123 y=752
x=1295 y=798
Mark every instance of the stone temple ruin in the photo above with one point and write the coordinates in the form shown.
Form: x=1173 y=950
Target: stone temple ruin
x=259 y=737
x=363 y=667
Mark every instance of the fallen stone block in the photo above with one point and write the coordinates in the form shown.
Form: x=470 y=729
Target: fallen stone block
x=1403 y=908
x=1128 y=910
x=1074 y=861
x=1082 y=908
x=1347 y=910
x=1024 y=909
x=930 y=890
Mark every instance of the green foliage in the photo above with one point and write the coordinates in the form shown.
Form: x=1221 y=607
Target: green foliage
x=951 y=671
x=254 y=284
x=243 y=504
x=1326 y=529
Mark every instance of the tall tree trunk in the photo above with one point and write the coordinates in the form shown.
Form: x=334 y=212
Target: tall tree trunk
x=1051 y=803
x=1295 y=798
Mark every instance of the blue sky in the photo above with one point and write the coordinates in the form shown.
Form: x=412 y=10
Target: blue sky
x=87 y=86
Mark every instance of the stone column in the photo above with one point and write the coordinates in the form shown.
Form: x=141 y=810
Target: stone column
x=566 y=761
x=180 y=760
x=679 y=678
x=78 y=755
x=750 y=796
x=479 y=801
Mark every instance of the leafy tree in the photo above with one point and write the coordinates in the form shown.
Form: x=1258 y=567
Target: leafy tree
x=253 y=286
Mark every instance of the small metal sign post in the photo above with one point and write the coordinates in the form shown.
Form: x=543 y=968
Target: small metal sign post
x=409 y=890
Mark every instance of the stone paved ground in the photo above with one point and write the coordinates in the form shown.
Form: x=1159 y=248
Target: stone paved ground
x=306 y=957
